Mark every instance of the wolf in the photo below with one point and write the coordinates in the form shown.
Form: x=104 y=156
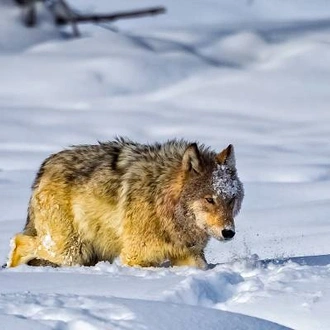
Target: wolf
x=146 y=204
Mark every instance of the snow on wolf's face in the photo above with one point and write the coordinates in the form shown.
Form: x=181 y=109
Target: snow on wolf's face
x=220 y=197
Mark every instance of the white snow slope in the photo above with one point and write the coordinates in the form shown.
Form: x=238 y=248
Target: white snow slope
x=249 y=72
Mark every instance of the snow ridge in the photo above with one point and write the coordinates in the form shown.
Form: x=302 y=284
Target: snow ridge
x=103 y=303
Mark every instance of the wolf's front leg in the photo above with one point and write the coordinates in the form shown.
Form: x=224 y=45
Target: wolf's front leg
x=194 y=260
x=133 y=258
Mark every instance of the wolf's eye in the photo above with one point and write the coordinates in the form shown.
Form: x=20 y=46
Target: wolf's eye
x=210 y=200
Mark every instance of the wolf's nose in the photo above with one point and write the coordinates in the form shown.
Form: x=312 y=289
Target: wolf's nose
x=228 y=233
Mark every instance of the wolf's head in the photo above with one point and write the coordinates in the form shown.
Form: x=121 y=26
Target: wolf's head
x=213 y=193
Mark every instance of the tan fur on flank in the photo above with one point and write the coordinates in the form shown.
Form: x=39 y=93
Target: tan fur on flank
x=144 y=203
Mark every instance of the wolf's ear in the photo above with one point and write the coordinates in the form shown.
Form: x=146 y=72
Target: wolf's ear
x=226 y=157
x=191 y=160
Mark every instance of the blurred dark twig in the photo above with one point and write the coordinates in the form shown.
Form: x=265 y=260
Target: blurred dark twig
x=63 y=14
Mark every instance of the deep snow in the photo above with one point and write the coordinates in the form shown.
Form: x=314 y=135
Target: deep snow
x=252 y=73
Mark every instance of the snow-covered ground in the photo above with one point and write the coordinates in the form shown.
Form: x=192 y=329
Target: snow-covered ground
x=249 y=72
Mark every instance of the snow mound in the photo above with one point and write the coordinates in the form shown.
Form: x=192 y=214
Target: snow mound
x=122 y=297
x=99 y=295
x=95 y=312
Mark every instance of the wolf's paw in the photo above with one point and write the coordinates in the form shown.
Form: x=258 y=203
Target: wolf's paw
x=21 y=250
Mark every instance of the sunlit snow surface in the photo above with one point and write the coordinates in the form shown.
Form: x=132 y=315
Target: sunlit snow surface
x=252 y=73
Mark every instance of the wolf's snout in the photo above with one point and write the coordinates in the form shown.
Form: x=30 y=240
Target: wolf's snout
x=227 y=233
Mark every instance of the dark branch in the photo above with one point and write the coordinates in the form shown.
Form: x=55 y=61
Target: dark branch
x=95 y=18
